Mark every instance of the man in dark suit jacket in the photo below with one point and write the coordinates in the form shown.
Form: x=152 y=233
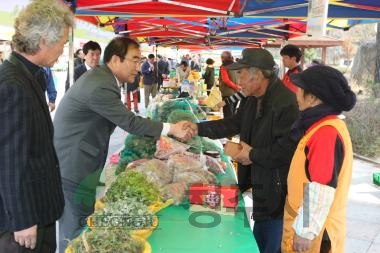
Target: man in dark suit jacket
x=92 y=52
x=162 y=69
x=84 y=122
x=31 y=197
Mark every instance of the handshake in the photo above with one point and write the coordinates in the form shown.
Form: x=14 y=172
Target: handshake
x=184 y=130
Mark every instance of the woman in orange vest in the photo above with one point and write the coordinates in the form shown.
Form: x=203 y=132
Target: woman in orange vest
x=321 y=168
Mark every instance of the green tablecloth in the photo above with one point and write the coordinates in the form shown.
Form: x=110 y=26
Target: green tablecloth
x=179 y=231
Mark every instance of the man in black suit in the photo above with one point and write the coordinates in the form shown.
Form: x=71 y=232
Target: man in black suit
x=92 y=52
x=163 y=70
x=31 y=197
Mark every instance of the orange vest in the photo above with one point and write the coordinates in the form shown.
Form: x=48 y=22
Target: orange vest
x=336 y=220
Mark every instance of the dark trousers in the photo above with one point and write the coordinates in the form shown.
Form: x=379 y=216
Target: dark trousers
x=45 y=241
x=79 y=204
x=268 y=235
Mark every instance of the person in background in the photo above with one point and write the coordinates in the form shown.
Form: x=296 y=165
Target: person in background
x=228 y=83
x=84 y=122
x=194 y=64
x=321 y=169
x=183 y=71
x=209 y=74
x=78 y=57
x=50 y=88
x=264 y=124
x=31 y=197
x=92 y=52
x=132 y=91
x=291 y=56
x=149 y=71
x=163 y=70
x=1 y=57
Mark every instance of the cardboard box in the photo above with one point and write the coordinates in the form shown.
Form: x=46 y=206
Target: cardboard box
x=221 y=199
x=232 y=148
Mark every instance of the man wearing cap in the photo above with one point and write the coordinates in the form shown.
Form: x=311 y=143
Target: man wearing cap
x=321 y=168
x=291 y=56
x=264 y=123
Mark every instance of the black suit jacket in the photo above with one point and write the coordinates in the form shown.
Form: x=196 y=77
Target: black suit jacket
x=30 y=182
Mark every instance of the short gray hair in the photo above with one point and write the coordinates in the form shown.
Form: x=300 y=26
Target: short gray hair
x=266 y=73
x=41 y=19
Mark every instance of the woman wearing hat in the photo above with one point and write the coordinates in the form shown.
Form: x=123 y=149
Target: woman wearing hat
x=321 y=168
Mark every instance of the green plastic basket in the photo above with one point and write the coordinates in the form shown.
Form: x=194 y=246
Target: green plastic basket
x=376 y=178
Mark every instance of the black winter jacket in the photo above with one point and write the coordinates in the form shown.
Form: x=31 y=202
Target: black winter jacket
x=267 y=131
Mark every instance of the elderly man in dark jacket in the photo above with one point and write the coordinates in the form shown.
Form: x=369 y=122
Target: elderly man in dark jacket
x=264 y=124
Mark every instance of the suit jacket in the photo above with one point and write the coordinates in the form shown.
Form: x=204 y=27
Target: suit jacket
x=30 y=183
x=150 y=77
x=78 y=71
x=84 y=122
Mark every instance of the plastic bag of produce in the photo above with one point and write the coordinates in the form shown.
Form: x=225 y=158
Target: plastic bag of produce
x=184 y=162
x=156 y=170
x=175 y=191
x=167 y=146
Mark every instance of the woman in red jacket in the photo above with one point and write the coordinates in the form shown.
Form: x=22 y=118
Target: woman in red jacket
x=321 y=168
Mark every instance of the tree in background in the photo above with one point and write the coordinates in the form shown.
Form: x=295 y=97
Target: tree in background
x=376 y=86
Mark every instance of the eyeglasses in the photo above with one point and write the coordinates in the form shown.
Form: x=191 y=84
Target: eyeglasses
x=137 y=62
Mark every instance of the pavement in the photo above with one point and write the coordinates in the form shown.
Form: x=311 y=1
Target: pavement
x=363 y=207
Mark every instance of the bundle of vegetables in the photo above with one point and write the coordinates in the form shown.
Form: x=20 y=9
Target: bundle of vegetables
x=175 y=191
x=178 y=115
x=106 y=241
x=133 y=184
x=161 y=112
x=128 y=214
x=135 y=147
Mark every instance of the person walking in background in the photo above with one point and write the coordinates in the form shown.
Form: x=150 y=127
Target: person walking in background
x=163 y=70
x=264 y=124
x=209 y=75
x=228 y=83
x=78 y=57
x=30 y=182
x=183 y=71
x=92 y=52
x=84 y=122
x=149 y=71
x=132 y=92
x=50 y=88
x=321 y=169
x=291 y=56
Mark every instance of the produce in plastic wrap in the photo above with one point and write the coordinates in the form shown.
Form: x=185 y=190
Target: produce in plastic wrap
x=184 y=162
x=134 y=164
x=212 y=164
x=135 y=147
x=167 y=146
x=133 y=184
x=156 y=170
x=195 y=176
x=179 y=115
x=175 y=191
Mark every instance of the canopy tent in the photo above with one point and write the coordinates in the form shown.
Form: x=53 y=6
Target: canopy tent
x=212 y=24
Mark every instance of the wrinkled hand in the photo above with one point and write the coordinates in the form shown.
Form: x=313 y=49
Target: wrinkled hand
x=183 y=130
x=301 y=244
x=27 y=237
x=51 y=106
x=243 y=156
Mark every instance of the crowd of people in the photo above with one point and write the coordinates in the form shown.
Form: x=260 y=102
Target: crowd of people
x=296 y=153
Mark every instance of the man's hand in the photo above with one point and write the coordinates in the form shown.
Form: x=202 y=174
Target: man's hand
x=27 y=237
x=243 y=156
x=301 y=244
x=51 y=106
x=183 y=130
